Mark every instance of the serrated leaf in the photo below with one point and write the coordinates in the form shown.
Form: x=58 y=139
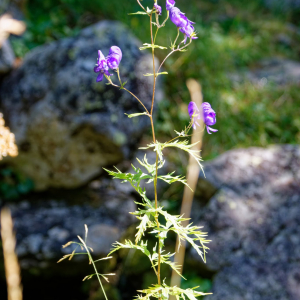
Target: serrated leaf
x=152 y=46
x=151 y=168
x=129 y=245
x=134 y=180
x=139 y=13
x=157 y=148
x=141 y=228
x=185 y=146
x=163 y=291
x=188 y=233
x=171 y=179
x=136 y=115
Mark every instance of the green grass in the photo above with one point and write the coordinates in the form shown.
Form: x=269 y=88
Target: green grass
x=233 y=35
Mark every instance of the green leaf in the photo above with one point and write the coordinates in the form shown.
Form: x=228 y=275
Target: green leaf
x=137 y=115
x=142 y=227
x=151 y=168
x=152 y=46
x=139 y=13
x=157 y=74
x=134 y=180
x=189 y=233
x=129 y=245
x=163 y=291
x=157 y=148
x=170 y=179
x=149 y=11
x=122 y=85
x=185 y=146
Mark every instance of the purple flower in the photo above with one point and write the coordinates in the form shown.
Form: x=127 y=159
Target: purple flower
x=178 y=18
x=158 y=8
x=181 y=21
x=208 y=114
x=114 y=57
x=188 y=30
x=170 y=4
x=101 y=67
x=194 y=113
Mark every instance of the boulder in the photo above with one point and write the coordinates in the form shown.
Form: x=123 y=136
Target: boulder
x=282 y=6
x=253 y=222
x=274 y=70
x=68 y=126
x=44 y=224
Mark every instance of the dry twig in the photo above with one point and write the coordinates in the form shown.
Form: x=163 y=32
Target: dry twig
x=192 y=179
x=12 y=268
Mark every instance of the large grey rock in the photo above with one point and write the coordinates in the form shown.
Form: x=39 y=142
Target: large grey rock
x=283 y=6
x=67 y=126
x=253 y=222
x=273 y=70
x=43 y=226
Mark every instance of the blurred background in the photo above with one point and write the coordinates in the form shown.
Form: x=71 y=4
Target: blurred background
x=67 y=128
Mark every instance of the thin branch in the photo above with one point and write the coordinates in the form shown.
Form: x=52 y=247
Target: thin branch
x=130 y=94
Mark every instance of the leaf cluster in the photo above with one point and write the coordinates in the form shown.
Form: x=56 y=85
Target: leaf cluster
x=163 y=291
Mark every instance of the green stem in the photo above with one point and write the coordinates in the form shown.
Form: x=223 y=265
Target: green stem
x=110 y=81
x=97 y=275
x=156 y=163
x=92 y=261
x=119 y=76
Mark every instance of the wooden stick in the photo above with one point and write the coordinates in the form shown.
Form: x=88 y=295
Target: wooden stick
x=192 y=179
x=8 y=26
x=12 y=268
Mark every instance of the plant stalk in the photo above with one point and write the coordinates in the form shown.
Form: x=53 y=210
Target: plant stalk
x=156 y=163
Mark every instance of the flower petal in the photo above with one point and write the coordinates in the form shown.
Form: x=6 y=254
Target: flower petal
x=97 y=69
x=210 y=129
x=100 y=77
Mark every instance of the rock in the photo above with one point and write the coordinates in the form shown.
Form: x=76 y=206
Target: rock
x=253 y=222
x=283 y=6
x=71 y=125
x=7 y=58
x=42 y=227
x=274 y=70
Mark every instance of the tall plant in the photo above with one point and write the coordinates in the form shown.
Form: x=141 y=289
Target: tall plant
x=150 y=211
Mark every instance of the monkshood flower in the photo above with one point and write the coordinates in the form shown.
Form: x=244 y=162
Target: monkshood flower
x=158 y=8
x=183 y=23
x=101 y=67
x=170 y=4
x=194 y=113
x=178 y=18
x=208 y=114
x=114 y=57
x=188 y=31
x=209 y=117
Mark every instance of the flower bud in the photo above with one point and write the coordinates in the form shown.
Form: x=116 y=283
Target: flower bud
x=158 y=9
